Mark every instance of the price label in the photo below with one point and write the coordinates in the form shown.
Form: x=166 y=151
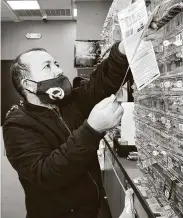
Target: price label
x=167 y=194
x=168 y=124
x=170 y=163
x=181 y=126
x=179 y=84
x=181 y=169
x=178 y=37
x=163 y=120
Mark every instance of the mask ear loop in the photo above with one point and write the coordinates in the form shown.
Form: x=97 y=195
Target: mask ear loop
x=31 y=88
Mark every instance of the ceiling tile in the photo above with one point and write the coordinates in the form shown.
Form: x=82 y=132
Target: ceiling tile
x=23 y=13
x=58 y=12
x=55 y=4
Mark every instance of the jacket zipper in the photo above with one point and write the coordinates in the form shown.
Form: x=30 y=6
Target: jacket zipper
x=61 y=119
x=98 y=193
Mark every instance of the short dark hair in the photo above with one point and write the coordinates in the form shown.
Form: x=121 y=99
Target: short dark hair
x=20 y=70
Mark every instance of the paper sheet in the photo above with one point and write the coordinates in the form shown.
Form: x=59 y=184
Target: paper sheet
x=140 y=53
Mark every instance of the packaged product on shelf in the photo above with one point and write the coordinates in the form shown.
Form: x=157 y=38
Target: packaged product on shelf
x=152 y=201
x=156 y=209
x=158 y=110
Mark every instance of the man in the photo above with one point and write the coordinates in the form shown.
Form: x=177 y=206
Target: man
x=51 y=140
x=54 y=150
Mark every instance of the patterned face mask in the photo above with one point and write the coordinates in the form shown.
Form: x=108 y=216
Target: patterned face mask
x=51 y=91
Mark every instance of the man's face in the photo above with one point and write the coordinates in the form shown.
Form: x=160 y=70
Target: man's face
x=42 y=65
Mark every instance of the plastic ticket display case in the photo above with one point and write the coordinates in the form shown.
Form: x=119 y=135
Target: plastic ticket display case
x=123 y=150
x=158 y=117
x=118 y=176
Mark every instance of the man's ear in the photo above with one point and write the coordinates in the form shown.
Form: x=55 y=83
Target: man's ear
x=29 y=85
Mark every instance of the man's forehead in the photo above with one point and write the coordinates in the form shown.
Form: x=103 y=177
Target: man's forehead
x=36 y=57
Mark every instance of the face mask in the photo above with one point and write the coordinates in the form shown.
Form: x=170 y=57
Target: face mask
x=53 y=90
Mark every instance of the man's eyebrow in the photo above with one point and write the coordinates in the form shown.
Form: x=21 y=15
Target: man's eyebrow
x=46 y=62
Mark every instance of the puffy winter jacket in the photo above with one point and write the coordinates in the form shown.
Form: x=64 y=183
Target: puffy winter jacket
x=55 y=154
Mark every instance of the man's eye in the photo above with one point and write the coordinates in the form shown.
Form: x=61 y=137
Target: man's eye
x=47 y=66
x=57 y=64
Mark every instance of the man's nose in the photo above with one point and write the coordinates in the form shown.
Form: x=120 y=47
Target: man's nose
x=58 y=72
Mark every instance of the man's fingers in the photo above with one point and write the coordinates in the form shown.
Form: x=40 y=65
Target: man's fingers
x=150 y=37
x=119 y=111
x=149 y=32
x=114 y=106
x=154 y=25
x=119 y=121
x=149 y=13
x=155 y=19
x=106 y=101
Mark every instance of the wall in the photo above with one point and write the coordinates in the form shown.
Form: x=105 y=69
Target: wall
x=57 y=37
x=90 y=20
x=12 y=194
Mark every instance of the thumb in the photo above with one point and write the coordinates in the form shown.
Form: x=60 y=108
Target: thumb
x=106 y=101
x=150 y=37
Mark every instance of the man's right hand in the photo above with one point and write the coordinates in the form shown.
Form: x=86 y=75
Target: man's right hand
x=105 y=115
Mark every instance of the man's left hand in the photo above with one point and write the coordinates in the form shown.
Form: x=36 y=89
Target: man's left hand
x=150 y=34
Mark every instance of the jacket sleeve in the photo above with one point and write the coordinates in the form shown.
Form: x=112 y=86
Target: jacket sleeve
x=104 y=81
x=34 y=160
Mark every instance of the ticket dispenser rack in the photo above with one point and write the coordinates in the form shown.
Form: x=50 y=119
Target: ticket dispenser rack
x=158 y=121
x=117 y=178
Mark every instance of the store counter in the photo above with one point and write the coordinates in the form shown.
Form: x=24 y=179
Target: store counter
x=118 y=176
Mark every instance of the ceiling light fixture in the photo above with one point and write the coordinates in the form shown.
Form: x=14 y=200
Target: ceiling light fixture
x=24 y=5
x=75 y=12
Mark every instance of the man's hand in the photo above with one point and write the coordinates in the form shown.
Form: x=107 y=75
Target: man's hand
x=122 y=48
x=148 y=35
x=105 y=115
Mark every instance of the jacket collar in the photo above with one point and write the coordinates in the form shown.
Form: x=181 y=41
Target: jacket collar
x=37 y=109
x=45 y=110
x=42 y=114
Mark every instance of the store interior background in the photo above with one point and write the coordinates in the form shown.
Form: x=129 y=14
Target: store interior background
x=58 y=39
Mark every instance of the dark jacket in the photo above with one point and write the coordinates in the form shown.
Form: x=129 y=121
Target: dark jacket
x=55 y=155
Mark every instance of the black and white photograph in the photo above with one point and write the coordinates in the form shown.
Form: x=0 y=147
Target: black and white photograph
x=87 y=53
x=91 y=109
